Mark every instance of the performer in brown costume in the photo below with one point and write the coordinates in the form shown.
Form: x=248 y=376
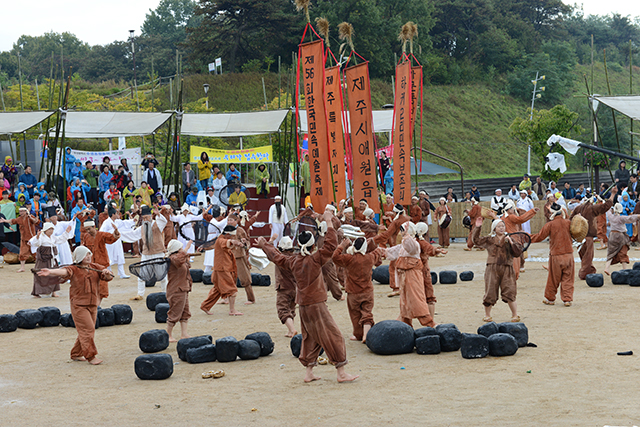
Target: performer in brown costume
x=512 y=223
x=413 y=301
x=83 y=296
x=178 y=288
x=358 y=265
x=319 y=330
x=242 y=258
x=618 y=239
x=474 y=213
x=443 y=233
x=561 y=264
x=97 y=241
x=415 y=211
x=46 y=244
x=427 y=250
x=26 y=224
x=590 y=211
x=285 y=288
x=499 y=274
x=390 y=236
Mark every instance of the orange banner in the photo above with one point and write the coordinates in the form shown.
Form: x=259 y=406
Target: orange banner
x=333 y=103
x=312 y=58
x=402 y=135
x=361 y=129
x=416 y=90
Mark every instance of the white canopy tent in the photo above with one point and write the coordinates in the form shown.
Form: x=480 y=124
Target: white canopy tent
x=628 y=105
x=20 y=121
x=382 y=121
x=102 y=124
x=233 y=124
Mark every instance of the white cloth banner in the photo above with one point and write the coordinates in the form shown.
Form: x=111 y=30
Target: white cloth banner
x=570 y=145
x=133 y=156
x=555 y=161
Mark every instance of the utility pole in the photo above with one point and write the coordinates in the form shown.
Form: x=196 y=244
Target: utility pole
x=135 y=74
x=534 y=96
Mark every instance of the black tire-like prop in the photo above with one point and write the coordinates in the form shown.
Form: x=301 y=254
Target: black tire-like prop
x=154 y=366
x=153 y=341
x=391 y=337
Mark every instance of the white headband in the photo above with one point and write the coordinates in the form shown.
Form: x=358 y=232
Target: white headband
x=303 y=246
x=351 y=250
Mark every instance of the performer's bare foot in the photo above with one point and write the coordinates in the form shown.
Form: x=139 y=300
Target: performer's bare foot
x=55 y=295
x=291 y=334
x=95 y=361
x=185 y=336
x=309 y=377
x=135 y=256
x=607 y=273
x=79 y=359
x=224 y=301
x=545 y=267
x=249 y=302
x=235 y=313
x=21 y=270
x=353 y=338
x=136 y=298
x=172 y=339
x=343 y=377
x=206 y=311
x=343 y=297
x=37 y=296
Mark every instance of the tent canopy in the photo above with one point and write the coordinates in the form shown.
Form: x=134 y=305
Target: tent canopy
x=429 y=168
x=233 y=124
x=20 y=121
x=99 y=124
x=627 y=105
x=382 y=121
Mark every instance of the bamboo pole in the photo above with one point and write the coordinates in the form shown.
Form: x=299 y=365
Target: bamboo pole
x=613 y=114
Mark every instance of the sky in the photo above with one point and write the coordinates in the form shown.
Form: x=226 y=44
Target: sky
x=102 y=22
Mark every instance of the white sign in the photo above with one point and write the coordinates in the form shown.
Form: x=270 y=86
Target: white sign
x=133 y=156
x=212 y=66
x=218 y=62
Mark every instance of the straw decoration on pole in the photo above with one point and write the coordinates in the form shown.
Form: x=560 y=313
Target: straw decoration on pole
x=304 y=5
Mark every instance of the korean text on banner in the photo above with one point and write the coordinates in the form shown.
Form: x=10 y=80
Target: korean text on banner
x=416 y=90
x=249 y=155
x=402 y=135
x=131 y=154
x=361 y=128
x=312 y=57
x=333 y=102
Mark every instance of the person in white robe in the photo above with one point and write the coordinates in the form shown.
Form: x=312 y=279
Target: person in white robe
x=278 y=219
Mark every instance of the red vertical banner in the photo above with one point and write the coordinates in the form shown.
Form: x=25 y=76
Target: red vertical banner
x=333 y=103
x=312 y=58
x=416 y=90
x=361 y=130
x=402 y=135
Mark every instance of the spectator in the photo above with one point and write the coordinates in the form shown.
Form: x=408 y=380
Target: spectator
x=218 y=184
x=174 y=201
x=128 y=196
x=150 y=158
x=384 y=165
x=108 y=195
x=475 y=193
x=498 y=202
x=192 y=198
x=36 y=206
x=467 y=197
x=76 y=171
x=22 y=189
x=514 y=194
x=9 y=171
x=552 y=187
x=262 y=180
x=238 y=197
x=125 y=165
x=525 y=184
x=305 y=175
x=232 y=175
x=568 y=193
x=120 y=179
x=450 y=193
x=106 y=161
x=104 y=179
x=388 y=181
x=581 y=191
x=152 y=177
x=4 y=185
x=29 y=180
x=204 y=170
x=91 y=176
x=44 y=197
x=539 y=188
x=633 y=187
x=188 y=179
x=69 y=162
x=532 y=195
x=622 y=175
x=145 y=192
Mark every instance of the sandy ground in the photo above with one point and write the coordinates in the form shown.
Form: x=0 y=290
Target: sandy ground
x=575 y=376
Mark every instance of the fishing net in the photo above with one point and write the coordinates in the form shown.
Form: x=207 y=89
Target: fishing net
x=153 y=270
x=230 y=187
x=297 y=226
x=521 y=238
x=201 y=232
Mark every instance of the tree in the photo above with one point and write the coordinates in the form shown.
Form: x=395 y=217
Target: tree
x=170 y=20
x=559 y=121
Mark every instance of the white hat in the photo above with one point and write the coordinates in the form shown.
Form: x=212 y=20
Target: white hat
x=22 y=208
x=348 y=210
x=442 y=199
x=410 y=227
x=243 y=214
x=331 y=208
x=89 y=224
x=173 y=246
x=80 y=253
x=421 y=229
x=497 y=189
x=494 y=224
x=185 y=207
x=47 y=226
x=617 y=208
x=367 y=212
x=277 y=198
x=415 y=197
x=285 y=243
x=523 y=191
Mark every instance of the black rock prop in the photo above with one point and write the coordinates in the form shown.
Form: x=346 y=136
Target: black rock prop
x=634 y=277
x=620 y=277
x=428 y=344
x=488 y=329
x=106 y=317
x=206 y=353
x=265 y=341
x=450 y=339
x=296 y=344
x=206 y=279
x=381 y=274
x=423 y=332
x=260 y=279
x=474 y=346
x=8 y=322
x=466 y=276
x=517 y=330
x=66 y=320
x=193 y=342
x=446 y=326
x=595 y=280
x=248 y=349
x=227 y=349
x=29 y=318
x=154 y=366
x=149 y=283
x=155 y=299
x=153 y=341
x=50 y=316
x=391 y=337
x=448 y=277
x=434 y=278
x=161 y=312
x=196 y=275
x=123 y=315
x=636 y=265
x=502 y=345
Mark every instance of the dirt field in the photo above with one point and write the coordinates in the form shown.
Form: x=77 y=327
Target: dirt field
x=575 y=376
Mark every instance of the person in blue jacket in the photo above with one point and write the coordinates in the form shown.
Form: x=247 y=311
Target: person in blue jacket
x=29 y=180
x=69 y=160
x=388 y=181
x=44 y=196
x=233 y=174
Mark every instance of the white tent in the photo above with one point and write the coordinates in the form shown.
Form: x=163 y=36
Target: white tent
x=233 y=124
x=382 y=121
x=20 y=121
x=627 y=105
x=99 y=124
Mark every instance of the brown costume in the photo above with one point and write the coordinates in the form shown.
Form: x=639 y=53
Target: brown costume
x=602 y=229
x=443 y=233
x=512 y=224
x=358 y=286
x=97 y=245
x=474 y=213
x=561 y=264
x=26 y=225
x=224 y=274
x=319 y=330
x=427 y=250
x=590 y=212
x=390 y=236
x=415 y=211
x=45 y=258
x=169 y=231
x=178 y=287
x=242 y=264
x=285 y=293
x=83 y=296
x=499 y=274
x=368 y=227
